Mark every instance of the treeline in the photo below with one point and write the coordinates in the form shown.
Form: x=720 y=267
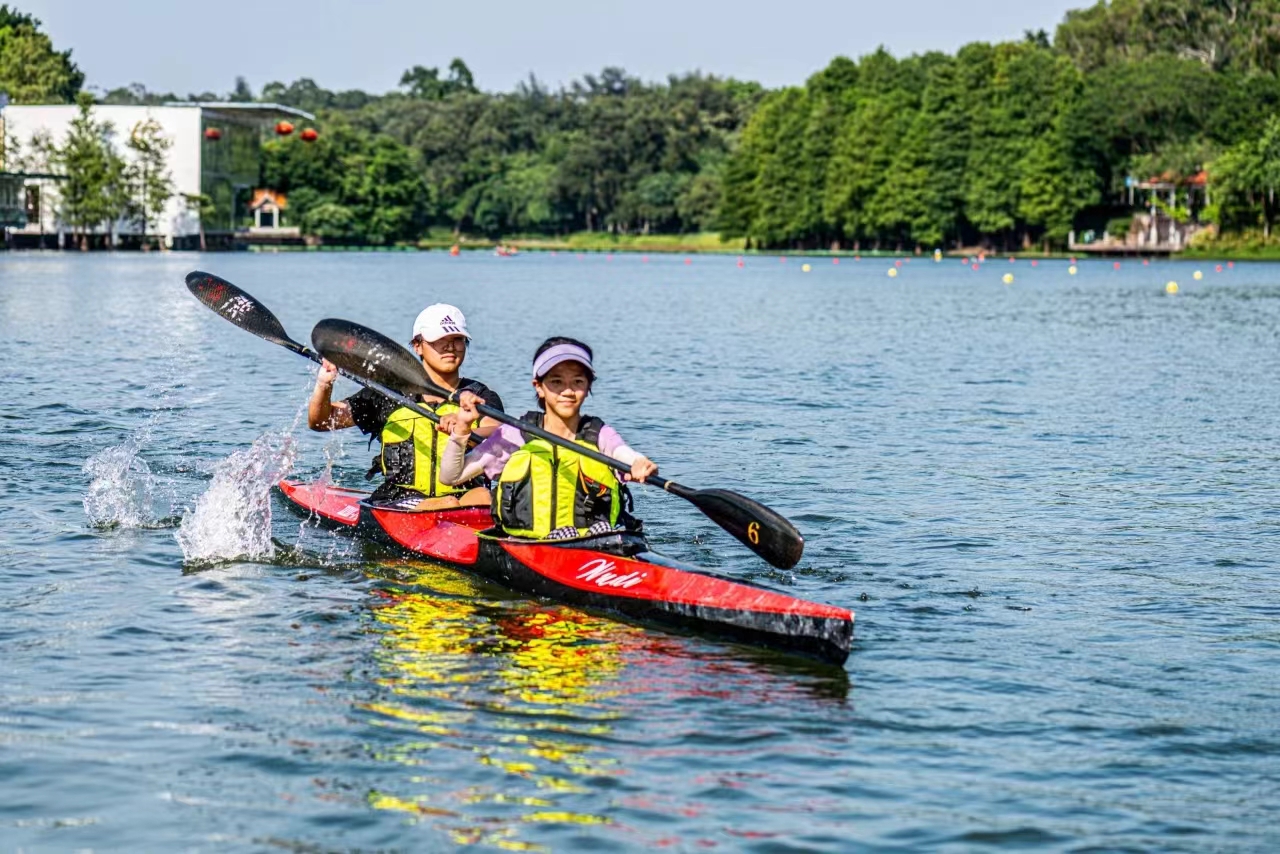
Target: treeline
x=1007 y=144
x=1010 y=144
x=609 y=152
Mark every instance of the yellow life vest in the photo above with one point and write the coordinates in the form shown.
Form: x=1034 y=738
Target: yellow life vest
x=411 y=449
x=544 y=487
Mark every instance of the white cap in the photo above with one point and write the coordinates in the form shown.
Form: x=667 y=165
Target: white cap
x=436 y=321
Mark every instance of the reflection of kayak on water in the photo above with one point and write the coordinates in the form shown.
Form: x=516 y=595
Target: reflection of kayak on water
x=614 y=571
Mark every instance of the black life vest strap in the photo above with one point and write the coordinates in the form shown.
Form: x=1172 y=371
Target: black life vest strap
x=589 y=426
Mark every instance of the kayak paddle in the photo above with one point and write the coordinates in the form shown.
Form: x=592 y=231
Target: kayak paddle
x=252 y=316
x=367 y=353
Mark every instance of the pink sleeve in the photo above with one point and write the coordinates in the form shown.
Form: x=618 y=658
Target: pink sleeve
x=609 y=441
x=494 y=452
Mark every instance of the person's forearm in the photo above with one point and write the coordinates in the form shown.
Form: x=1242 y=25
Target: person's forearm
x=455 y=468
x=625 y=455
x=320 y=407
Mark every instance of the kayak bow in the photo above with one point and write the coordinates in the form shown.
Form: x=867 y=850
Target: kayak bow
x=614 y=571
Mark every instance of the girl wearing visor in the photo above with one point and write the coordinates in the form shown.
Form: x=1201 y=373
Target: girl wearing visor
x=542 y=491
x=411 y=446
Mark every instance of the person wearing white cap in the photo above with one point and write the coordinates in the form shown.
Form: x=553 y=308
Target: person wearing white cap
x=409 y=459
x=540 y=490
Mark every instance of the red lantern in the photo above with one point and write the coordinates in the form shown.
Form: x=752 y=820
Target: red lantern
x=284 y=128
x=308 y=135
x=212 y=134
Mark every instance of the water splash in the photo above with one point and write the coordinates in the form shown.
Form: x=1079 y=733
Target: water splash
x=232 y=518
x=122 y=491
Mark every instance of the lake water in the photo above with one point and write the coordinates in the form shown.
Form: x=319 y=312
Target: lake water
x=1053 y=505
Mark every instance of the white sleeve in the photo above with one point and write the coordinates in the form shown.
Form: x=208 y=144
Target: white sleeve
x=455 y=466
x=625 y=455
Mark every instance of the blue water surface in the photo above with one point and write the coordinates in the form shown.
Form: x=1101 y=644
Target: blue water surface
x=1052 y=504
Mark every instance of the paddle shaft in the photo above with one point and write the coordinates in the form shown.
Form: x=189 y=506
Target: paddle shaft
x=403 y=400
x=533 y=429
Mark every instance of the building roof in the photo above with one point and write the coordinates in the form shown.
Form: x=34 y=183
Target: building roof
x=246 y=109
x=262 y=197
x=1171 y=181
x=4 y=174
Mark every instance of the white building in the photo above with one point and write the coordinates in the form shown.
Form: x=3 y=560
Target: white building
x=215 y=152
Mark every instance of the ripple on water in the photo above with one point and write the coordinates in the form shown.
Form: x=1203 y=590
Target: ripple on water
x=1086 y=449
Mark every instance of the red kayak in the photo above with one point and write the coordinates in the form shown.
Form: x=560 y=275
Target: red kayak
x=613 y=571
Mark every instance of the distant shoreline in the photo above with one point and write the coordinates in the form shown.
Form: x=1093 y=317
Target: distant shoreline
x=598 y=243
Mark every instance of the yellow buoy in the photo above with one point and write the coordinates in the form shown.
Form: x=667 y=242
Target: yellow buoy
x=1008 y=278
x=805 y=268
x=893 y=271
x=1072 y=269
x=1197 y=275
x=1171 y=288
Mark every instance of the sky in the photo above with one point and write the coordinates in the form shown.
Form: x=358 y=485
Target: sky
x=168 y=45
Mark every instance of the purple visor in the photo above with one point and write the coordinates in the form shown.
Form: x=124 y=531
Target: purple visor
x=553 y=356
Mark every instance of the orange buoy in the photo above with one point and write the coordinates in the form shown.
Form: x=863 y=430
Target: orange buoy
x=835 y=260
x=1116 y=265
x=454 y=250
x=284 y=128
x=212 y=134
x=308 y=135
x=1033 y=262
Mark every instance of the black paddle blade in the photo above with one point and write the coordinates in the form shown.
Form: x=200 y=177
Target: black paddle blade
x=366 y=353
x=240 y=308
x=764 y=531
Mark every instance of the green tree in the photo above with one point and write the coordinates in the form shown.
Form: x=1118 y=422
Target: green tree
x=330 y=220
x=203 y=207
x=427 y=84
x=349 y=185
x=148 y=175
x=1221 y=35
x=242 y=93
x=31 y=71
x=94 y=193
x=1246 y=178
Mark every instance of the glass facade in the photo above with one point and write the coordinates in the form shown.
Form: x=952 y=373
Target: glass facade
x=229 y=168
x=12 y=207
